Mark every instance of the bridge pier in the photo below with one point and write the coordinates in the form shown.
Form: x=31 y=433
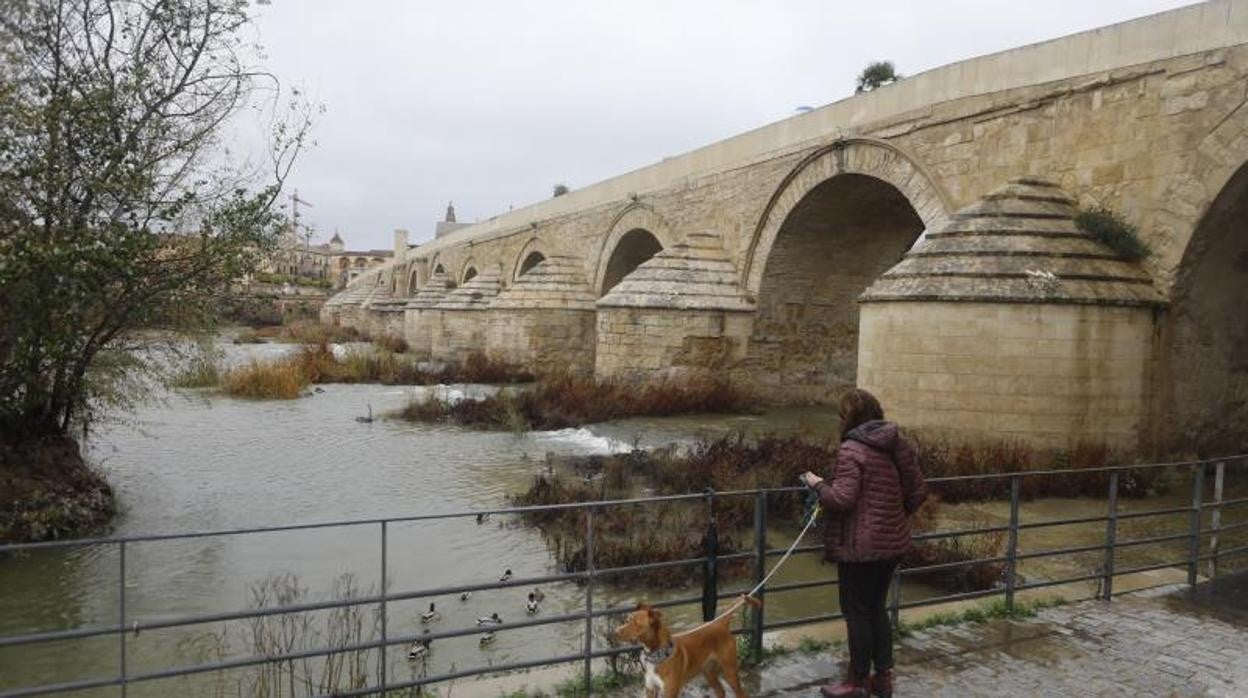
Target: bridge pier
x=545 y=321
x=680 y=311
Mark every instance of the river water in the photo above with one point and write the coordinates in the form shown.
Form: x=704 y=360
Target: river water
x=188 y=462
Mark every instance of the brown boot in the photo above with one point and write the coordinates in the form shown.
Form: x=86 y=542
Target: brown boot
x=851 y=687
x=881 y=685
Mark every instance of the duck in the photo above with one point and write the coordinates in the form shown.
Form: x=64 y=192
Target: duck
x=420 y=648
x=465 y=596
x=531 y=606
x=492 y=619
x=506 y=575
x=318 y=389
x=486 y=639
x=431 y=615
x=368 y=419
x=482 y=518
x=539 y=594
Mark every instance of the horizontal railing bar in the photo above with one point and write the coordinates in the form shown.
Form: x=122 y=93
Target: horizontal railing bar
x=1226 y=553
x=932 y=601
x=1053 y=552
x=486 y=586
x=1152 y=540
x=1150 y=568
x=1226 y=527
x=937 y=535
x=950 y=565
x=1227 y=502
x=1058 y=582
x=571 y=506
x=466 y=673
x=777 y=552
x=49 y=688
x=1154 y=512
x=1047 y=523
x=793 y=586
x=805 y=620
x=56 y=635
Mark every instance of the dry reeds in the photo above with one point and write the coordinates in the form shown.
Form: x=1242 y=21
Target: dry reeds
x=256 y=380
x=559 y=402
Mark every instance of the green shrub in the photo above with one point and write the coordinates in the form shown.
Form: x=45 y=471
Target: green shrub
x=1112 y=230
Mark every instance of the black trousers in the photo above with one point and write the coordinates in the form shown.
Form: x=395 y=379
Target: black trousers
x=864 y=594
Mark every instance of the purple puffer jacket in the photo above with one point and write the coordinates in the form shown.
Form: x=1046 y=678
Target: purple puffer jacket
x=874 y=487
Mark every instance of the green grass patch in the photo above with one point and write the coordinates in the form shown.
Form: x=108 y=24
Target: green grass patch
x=1112 y=230
x=994 y=610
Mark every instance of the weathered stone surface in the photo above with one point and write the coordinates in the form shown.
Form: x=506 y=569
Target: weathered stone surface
x=545 y=320
x=1145 y=117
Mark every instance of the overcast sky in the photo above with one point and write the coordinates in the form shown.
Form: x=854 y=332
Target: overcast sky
x=490 y=104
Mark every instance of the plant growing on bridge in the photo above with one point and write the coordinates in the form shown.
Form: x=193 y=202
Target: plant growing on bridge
x=119 y=207
x=876 y=74
x=561 y=189
x=1112 y=230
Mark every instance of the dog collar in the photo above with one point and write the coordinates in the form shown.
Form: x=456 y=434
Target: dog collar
x=657 y=656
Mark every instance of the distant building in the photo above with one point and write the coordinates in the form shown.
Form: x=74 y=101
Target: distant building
x=449 y=224
x=329 y=261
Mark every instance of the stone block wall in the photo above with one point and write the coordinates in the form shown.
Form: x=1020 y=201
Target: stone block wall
x=418 y=330
x=544 y=340
x=455 y=333
x=1049 y=375
x=642 y=342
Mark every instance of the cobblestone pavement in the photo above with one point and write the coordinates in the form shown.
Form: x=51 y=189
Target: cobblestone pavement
x=1149 y=644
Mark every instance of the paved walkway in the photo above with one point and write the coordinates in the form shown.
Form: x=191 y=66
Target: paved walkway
x=1149 y=644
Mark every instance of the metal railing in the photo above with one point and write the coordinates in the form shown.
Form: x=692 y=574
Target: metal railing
x=591 y=575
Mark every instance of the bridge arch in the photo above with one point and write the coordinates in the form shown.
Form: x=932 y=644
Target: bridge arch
x=863 y=156
x=1203 y=405
x=413 y=279
x=530 y=256
x=843 y=216
x=469 y=271
x=635 y=235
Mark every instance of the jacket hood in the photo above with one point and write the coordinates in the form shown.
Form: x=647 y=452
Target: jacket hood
x=877 y=433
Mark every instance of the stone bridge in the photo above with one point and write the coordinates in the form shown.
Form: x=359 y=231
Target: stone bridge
x=917 y=240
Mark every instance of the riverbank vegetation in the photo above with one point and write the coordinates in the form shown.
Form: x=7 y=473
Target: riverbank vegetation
x=559 y=402
x=47 y=491
x=289 y=377
x=122 y=210
x=674 y=530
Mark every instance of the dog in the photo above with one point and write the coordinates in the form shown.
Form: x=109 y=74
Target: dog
x=671 y=661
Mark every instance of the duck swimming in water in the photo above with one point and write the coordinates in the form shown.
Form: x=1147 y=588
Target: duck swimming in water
x=531 y=606
x=486 y=639
x=431 y=615
x=491 y=619
x=420 y=648
x=368 y=419
x=506 y=575
x=465 y=596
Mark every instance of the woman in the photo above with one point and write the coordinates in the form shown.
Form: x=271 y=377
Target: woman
x=874 y=487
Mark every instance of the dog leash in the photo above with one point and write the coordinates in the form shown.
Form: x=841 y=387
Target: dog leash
x=814 y=514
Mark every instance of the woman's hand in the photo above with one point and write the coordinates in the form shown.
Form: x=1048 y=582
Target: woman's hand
x=810 y=479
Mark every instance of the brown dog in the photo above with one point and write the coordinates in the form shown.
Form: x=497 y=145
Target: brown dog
x=672 y=660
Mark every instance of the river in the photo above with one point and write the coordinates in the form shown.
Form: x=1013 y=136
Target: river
x=186 y=461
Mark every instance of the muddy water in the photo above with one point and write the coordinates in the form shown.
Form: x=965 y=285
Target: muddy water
x=186 y=462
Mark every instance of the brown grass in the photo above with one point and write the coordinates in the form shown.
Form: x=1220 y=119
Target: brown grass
x=281 y=380
x=558 y=402
x=940 y=457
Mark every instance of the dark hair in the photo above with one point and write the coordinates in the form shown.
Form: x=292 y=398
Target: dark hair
x=858 y=407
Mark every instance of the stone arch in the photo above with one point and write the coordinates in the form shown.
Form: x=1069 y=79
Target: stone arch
x=842 y=218
x=413 y=280
x=468 y=271
x=360 y=262
x=530 y=256
x=1203 y=405
x=863 y=156
x=634 y=217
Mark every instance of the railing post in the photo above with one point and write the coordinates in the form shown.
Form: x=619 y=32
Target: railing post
x=382 y=659
x=760 y=569
x=1111 y=538
x=1219 y=471
x=1198 y=494
x=589 y=601
x=121 y=612
x=1011 y=554
x=710 y=568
